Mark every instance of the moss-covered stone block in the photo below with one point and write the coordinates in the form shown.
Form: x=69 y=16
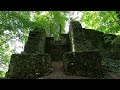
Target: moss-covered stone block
x=95 y=37
x=85 y=39
x=29 y=66
x=36 y=41
x=83 y=64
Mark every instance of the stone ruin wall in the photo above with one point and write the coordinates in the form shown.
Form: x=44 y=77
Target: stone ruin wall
x=35 y=61
x=57 y=49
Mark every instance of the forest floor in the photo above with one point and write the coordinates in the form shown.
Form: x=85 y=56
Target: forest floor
x=58 y=73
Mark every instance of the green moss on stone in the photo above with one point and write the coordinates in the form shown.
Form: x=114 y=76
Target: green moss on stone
x=29 y=66
x=36 y=42
x=83 y=63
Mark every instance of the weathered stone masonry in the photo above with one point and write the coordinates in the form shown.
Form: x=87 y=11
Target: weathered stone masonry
x=81 y=50
x=33 y=62
x=85 y=58
x=38 y=53
x=57 y=48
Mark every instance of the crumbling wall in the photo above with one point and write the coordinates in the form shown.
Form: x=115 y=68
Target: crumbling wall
x=36 y=41
x=28 y=66
x=85 y=58
x=33 y=62
x=57 y=48
x=82 y=52
x=85 y=39
x=86 y=63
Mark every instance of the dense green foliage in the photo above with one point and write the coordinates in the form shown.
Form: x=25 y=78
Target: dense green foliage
x=105 y=21
x=16 y=25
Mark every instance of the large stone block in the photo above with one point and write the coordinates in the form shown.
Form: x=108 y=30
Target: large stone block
x=95 y=37
x=36 y=41
x=23 y=66
x=85 y=39
x=83 y=64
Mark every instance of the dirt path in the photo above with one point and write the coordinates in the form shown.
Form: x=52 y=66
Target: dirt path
x=59 y=74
